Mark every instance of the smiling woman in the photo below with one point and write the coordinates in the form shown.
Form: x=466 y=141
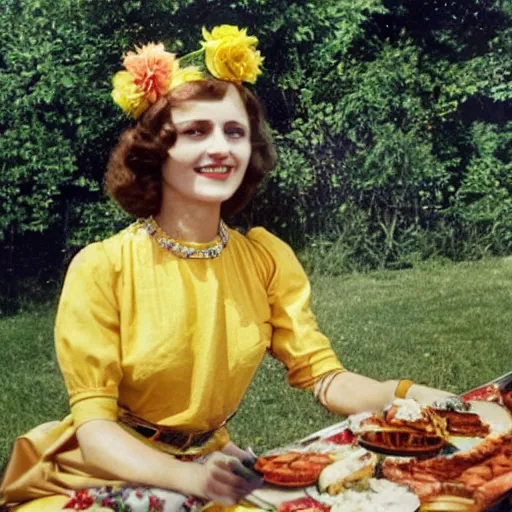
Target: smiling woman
x=212 y=145
x=161 y=328
x=134 y=174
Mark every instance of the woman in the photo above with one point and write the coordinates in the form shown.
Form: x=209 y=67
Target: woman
x=161 y=327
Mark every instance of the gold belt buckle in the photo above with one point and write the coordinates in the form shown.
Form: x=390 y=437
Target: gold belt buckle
x=156 y=435
x=188 y=442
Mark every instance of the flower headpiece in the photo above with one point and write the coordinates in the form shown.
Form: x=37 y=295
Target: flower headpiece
x=227 y=53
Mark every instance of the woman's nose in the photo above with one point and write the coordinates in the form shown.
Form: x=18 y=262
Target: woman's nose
x=219 y=145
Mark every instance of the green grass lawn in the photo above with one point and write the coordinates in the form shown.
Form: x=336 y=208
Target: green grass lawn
x=445 y=326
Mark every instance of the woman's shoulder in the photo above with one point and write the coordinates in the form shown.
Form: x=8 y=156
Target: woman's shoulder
x=134 y=234
x=269 y=246
x=109 y=251
x=275 y=260
x=268 y=241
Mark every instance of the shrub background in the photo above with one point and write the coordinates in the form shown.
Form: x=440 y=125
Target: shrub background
x=392 y=121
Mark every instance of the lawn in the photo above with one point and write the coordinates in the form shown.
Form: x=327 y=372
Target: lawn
x=447 y=326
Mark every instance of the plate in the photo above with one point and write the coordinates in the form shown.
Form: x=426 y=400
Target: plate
x=304 y=504
x=324 y=498
x=381 y=495
x=289 y=484
x=449 y=504
x=496 y=416
x=402 y=444
x=292 y=469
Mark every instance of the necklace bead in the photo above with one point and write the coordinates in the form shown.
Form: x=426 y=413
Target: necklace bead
x=180 y=248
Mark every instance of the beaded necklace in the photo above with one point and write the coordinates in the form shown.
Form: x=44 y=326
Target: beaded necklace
x=184 y=249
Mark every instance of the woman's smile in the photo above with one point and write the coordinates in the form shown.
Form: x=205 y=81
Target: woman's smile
x=215 y=172
x=207 y=163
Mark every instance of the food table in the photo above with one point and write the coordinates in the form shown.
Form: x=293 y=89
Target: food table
x=398 y=466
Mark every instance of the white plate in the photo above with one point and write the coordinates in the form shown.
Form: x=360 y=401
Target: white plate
x=383 y=496
x=316 y=447
x=498 y=418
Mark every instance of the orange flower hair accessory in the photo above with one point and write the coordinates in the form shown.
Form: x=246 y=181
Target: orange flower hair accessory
x=151 y=67
x=148 y=76
x=227 y=53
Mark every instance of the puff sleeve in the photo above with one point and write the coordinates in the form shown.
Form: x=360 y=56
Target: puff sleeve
x=296 y=340
x=87 y=336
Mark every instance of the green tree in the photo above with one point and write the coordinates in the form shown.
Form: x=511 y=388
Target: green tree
x=391 y=120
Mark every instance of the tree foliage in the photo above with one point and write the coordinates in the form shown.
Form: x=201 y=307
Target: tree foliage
x=391 y=118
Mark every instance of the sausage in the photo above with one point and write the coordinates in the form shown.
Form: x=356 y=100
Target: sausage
x=490 y=492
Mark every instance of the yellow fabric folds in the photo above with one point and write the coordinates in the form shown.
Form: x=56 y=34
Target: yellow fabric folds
x=178 y=341
x=47 y=461
x=94 y=407
x=47 y=504
x=175 y=341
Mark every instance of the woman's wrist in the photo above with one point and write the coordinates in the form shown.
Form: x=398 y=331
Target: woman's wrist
x=426 y=395
x=187 y=478
x=389 y=392
x=402 y=388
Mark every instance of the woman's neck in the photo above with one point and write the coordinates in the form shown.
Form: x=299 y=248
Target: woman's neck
x=189 y=221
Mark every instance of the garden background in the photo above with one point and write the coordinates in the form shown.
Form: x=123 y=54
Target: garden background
x=391 y=117
x=392 y=120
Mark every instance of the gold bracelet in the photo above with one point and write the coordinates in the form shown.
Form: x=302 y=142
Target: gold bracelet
x=324 y=385
x=402 y=388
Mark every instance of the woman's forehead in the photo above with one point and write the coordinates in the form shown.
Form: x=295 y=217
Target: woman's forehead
x=230 y=107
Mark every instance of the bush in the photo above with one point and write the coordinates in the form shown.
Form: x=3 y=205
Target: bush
x=392 y=135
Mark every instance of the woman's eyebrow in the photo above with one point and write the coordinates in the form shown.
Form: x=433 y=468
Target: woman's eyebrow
x=192 y=122
x=240 y=123
x=207 y=122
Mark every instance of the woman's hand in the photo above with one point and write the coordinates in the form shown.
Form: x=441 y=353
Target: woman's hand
x=232 y=449
x=427 y=396
x=219 y=483
x=350 y=393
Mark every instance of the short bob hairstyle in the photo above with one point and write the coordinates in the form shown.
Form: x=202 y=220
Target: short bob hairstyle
x=134 y=172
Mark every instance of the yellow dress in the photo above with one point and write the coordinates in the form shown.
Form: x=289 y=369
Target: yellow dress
x=175 y=341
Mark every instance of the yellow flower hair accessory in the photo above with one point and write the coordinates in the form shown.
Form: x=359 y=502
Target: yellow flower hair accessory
x=227 y=53
x=231 y=54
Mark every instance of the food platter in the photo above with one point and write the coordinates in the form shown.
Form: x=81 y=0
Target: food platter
x=424 y=446
x=435 y=457
x=298 y=466
x=498 y=391
x=380 y=493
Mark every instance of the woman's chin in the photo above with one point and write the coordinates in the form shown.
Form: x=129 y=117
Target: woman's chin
x=214 y=197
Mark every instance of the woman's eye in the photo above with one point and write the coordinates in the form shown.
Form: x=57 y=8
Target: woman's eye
x=193 y=132
x=235 y=132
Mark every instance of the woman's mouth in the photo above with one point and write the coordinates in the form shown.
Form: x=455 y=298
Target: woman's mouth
x=220 y=172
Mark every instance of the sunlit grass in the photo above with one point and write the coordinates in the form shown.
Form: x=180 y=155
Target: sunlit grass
x=445 y=326
x=32 y=388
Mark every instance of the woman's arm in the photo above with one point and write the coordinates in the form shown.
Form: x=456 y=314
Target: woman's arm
x=115 y=454
x=351 y=393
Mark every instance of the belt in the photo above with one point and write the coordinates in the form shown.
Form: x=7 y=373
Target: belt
x=166 y=435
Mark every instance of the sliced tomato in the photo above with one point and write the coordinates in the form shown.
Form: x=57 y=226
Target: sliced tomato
x=319 y=458
x=303 y=504
x=293 y=469
x=344 y=437
x=261 y=464
x=489 y=393
x=285 y=457
x=300 y=465
x=283 y=474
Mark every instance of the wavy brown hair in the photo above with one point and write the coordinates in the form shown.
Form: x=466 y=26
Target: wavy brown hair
x=134 y=172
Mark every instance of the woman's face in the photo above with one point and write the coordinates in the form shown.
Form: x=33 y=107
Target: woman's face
x=212 y=149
